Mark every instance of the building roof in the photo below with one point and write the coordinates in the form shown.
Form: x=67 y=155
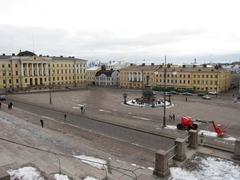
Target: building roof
x=26 y=53
x=140 y=68
x=108 y=73
x=160 y=68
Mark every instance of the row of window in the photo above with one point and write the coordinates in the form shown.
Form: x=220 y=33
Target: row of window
x=204 y=82
x=205 y=76
x=54 y=65
x=174 y=81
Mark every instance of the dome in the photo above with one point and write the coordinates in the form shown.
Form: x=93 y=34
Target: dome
x=26 y=53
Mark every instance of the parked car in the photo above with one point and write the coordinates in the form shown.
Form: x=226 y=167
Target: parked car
x=200 y=94
x=212 y=93
x=187 y=94
x=206 y=97
x=2 y=98
x=174 y=92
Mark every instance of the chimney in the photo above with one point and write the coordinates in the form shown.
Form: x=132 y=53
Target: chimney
x=40 y=55
x=61 y=56
x=13 y=54
x=204 y=65
x=168 y=65
x=152 y=64
x=194 y=66
x=131 y=64
x=184 y=66
x=3 y=54
x=143 y=64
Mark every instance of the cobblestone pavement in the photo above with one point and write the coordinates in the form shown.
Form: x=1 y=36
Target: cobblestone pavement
x=106 y=104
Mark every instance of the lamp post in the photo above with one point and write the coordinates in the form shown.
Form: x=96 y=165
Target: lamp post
x=165 y=86
x=50 y=87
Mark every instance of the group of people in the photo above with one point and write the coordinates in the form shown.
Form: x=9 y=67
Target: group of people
x=171 y=116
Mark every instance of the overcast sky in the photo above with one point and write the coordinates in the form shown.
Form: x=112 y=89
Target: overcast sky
x=121 y=29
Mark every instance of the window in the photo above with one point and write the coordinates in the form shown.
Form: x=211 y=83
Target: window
x=189 y=76
x=202 y=76
x=26 y=80
x=9 y=65
x=16 y=80
x=4 y=82
x=194 y=76
x=194 y=81
x=10 y=81
x=3 y=66
x=16 y=73
x=16 y=65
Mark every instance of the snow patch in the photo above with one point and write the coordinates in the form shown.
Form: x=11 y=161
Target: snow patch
x=170 y=127
x=208 y=133
x=61 y=177
x=208 y=168
x=92 y=161
x=151 y=168
x=89 y=178
x=230 y=138
x=25 y=173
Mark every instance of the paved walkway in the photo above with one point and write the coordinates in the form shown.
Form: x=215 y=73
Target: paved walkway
x=56 y=137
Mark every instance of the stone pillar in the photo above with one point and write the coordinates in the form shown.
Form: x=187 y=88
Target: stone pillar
x=27 y=70
x=22 y=70
x=32 y=69
x=180 y=149
x=129 y=76
x=161 y=164
x=37 y=69
x=193 y=138
x=4 y=175
x=42 y=69
x=237 y=150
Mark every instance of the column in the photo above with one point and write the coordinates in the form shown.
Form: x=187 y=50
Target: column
x=32 y=69
x=27 y=70
x=132 y=76
x=42 y=69
x=129 y=76
x=37 y=69
x=22 y=70
x=137 y=77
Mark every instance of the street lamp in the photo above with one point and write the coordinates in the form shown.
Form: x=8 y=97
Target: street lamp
x=165 y=86
x=50 y=87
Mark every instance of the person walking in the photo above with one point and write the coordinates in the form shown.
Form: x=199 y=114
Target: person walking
x=186 y=99
x=42 y=123
x=0 y=105
x=173 y=117
x=65 y=117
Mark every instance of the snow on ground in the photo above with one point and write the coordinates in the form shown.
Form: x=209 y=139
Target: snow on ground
x=214 y=134
x=61 y=177
x=170 y=127
x=92 y=161
x=207 y=133
x=207 y=168
x=89 y=178
x=25 y=173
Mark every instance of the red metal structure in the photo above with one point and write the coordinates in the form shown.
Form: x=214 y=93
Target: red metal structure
x=186 y=124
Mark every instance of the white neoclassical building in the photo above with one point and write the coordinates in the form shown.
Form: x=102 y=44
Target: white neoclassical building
x=107 y=77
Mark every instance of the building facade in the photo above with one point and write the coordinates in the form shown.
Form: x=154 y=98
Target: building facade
x=91 y=73
x=196 y=78
x=135 y=76
x=107 y=77
x=30 y=71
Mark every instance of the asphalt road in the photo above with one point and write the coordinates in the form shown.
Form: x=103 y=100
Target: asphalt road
x=146 y=140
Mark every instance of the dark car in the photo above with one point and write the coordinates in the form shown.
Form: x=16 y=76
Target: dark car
x=2 y=98
x=200 y=94
x=174 y=92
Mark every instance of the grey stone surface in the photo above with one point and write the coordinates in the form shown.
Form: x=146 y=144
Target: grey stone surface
x=4 y=175
x=161 y=164
x=180 y=149
x=193 y=139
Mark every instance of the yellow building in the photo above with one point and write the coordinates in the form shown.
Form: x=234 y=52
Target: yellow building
x=90 y=74
x=26 y=70
x=135 y=76
x=196 y=78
